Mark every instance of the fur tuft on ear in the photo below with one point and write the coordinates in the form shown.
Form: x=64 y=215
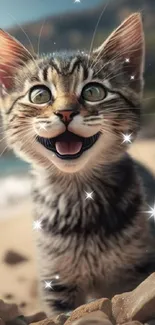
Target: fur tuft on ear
x=126 y=45
x=12 y=56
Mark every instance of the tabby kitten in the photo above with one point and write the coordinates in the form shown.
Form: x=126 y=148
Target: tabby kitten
x=66 y=114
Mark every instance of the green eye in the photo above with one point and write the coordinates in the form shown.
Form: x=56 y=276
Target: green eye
x=93 y=92
x=40 y=95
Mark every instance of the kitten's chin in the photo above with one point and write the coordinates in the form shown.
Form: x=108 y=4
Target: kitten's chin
x=68 y=152
x=69 y=166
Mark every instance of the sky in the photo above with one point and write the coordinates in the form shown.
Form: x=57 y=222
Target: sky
x=14 y=12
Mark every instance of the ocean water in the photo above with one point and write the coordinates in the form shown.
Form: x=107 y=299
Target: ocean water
x=10 y=165
x=15 y=182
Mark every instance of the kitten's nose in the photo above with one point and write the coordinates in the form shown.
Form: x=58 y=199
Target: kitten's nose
x=66 y=116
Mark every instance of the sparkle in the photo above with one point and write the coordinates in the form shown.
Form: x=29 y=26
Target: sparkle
x=126 y=138
x=127 y=60
x=89 y=195
x=77 y=1
x=54 y=43
x=37 y=225
x=132 y=77
x=48 y=285
x=42 y=126
x=151 y=212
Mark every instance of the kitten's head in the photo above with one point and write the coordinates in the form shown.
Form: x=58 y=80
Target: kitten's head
x=70 y=110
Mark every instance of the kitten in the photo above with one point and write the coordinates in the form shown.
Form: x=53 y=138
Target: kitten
x=66 y=114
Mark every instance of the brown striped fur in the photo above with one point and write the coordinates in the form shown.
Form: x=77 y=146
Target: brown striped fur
x=99 y=246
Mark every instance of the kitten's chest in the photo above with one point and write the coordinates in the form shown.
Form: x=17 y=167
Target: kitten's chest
x=67 y=212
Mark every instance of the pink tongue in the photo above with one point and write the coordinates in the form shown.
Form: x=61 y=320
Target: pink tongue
x=69 y=148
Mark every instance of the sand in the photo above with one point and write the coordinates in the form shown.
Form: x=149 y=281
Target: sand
x=19 y=280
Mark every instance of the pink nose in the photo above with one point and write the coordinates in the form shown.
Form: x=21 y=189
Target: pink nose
x=67 y=115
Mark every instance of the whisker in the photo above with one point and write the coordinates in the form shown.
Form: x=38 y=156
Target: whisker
x=39 y=38
x=28 y=41
x=147 y=98
x=94 y=34
x=11 y=66
x=22 y=31
x=4 y=151
x=5 y=137
x=12 y=77
x=118 y=55
x=148 y=114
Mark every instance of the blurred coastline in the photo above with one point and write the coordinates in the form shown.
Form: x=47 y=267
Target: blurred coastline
x=15 y=183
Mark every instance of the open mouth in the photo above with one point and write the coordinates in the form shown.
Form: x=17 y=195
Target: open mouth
x=68 y=145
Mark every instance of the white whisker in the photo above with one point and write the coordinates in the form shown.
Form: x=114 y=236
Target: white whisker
x=39 y=37
x=94 y=34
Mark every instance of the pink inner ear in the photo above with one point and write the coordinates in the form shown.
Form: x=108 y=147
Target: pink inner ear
x=12 y=56
x=127 y=41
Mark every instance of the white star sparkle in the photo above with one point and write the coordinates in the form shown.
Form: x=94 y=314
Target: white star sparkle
x=42 y=126
x=89 y=195
x=36 y=225
x=48 y=285
x=151 y=212
x=77 y=1
x=126 y=138
x=132 y=77
x=127 y=60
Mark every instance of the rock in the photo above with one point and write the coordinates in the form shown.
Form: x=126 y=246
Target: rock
x=13 y=258
x=17 y=321
x=36 y=317
x=61 y=319
x=8 y=296
x=138 y=304
x=8 y=311
x=1 y=322
x=94 y=318
x=134 y=322
x=46 y=321
x=103 y=305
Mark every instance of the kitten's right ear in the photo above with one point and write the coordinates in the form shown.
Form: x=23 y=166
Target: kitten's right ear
x=12 y=55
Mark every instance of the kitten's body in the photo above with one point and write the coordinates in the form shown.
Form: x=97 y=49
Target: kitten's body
x=96 y=246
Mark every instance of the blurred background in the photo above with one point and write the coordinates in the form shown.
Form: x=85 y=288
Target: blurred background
x=48 y=26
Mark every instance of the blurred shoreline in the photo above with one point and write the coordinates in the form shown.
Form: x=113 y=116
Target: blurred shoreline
x=15 y=191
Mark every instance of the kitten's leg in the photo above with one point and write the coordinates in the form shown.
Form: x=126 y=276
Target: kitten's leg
x=61 y=298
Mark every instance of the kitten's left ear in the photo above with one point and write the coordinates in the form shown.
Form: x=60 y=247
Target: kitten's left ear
x=12 y=56
x=126 y=46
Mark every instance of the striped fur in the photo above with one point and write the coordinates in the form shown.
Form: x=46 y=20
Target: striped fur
x=99 y=246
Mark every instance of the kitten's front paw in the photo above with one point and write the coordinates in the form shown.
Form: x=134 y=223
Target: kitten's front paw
x=61 y=298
